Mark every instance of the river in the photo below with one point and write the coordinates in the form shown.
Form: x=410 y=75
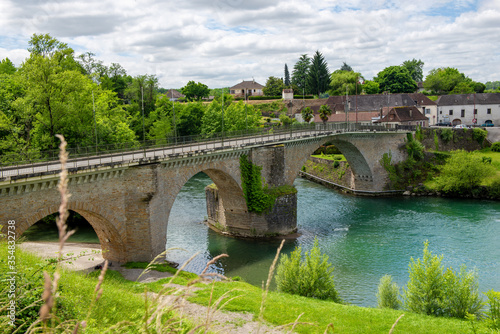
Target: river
x=365 y=238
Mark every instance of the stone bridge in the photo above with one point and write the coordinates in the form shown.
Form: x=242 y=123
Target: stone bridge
x=128 y=204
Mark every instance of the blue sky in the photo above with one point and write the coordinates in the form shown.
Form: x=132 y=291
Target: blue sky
x=221 y=42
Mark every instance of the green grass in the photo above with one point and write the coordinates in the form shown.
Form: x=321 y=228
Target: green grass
x=338 y=157
x=283 y=308
x=123 y=300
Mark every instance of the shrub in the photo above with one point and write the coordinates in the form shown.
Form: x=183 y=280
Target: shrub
x=436 y=141
x=388 y=293
x=415 y=150
x=311 y=276
x=494 y=188
x=446 y=135
x=336 y=164
x=332 y=149
x=424 y=292
x=462 y=293
x=462 y=172
x=495 y=147
x=493 y=312
x=479 y=135
x=433 y=291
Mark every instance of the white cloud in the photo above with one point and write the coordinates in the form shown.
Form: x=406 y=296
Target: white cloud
x=221 y=42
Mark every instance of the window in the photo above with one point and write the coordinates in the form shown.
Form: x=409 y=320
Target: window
x=440 y=112
x=451 y=112
x=475 y=111
x=427 y=111
x=462 y=113
x=488 y=111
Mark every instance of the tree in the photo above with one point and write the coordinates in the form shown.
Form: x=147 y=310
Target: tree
x=189 y=118
x=7 y=67
x=346 y=67
x=299 y=74
x=396 y=79
x=415 y=67
x=371 y=87
x=340 y=80
x=287 y=77
x=443 y=80
x=324 y=113
x=307 y=114
x=318 y=79
x=195 y=91
x=274 y=86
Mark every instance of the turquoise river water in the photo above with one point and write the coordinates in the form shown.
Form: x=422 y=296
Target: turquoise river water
x=365 y=238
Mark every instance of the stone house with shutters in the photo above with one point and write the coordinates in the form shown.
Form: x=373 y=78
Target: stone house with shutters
x=465 y=108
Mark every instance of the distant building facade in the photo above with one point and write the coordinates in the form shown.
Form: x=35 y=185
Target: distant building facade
x=467 y=108
x=174 y=95
x=403 y=116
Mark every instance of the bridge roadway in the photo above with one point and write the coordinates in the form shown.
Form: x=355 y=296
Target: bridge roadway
x=163 y=153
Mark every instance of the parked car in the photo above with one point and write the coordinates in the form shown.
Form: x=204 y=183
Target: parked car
x=487 y=124
x=443 y=124
x=461 y=126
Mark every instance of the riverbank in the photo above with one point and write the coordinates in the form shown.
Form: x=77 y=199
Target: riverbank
x=122 y=306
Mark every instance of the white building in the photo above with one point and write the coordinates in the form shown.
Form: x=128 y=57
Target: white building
x=469 y=109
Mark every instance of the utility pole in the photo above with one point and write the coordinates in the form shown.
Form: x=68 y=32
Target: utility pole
x=143 y=128
x=95 y=124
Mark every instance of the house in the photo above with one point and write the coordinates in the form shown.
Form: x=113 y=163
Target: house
x=427 y=106
x=469 y=109
x=403 y=116
x=247 y=88
x=174 y=95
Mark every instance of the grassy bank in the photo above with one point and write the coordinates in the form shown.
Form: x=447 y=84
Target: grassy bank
x=123 y=308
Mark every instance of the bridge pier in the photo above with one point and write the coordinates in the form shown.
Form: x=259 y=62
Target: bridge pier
x=238 y=220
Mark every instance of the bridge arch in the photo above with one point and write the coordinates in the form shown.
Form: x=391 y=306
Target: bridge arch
x=362 y=171
x=112 y=243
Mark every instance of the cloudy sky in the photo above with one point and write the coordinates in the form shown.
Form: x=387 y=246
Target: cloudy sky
x=221 y=42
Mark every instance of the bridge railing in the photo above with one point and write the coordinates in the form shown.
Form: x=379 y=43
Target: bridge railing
x=169 y=147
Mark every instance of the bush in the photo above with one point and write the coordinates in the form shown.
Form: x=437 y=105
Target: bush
x=495 y=147
x=494 y=188
x=332 y=149
x=311 y=276
x=479 y=135
x=463 y=172
x=462 y=293
x=493 y=312
x=424 y=292
x=336 y=164
x=433 y=291
x=446 y=135
x=388 y=293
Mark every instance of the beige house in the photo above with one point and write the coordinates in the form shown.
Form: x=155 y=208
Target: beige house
x=246 y=89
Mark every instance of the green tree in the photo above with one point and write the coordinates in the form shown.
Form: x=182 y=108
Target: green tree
x=274 y=86
x=463 y=87
x=443 y=80
x=195 y=91
x=307 y=114
x=324 y=113
x=7 y=67
x=371 y=87
x=341 y=80
x=309 y=276
x=189 y=119
x=395 y=79
x=463 y=172
x=415 y=67
x=287 y=77
x=318 y=78
x=299 y=74
x=346 y=67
